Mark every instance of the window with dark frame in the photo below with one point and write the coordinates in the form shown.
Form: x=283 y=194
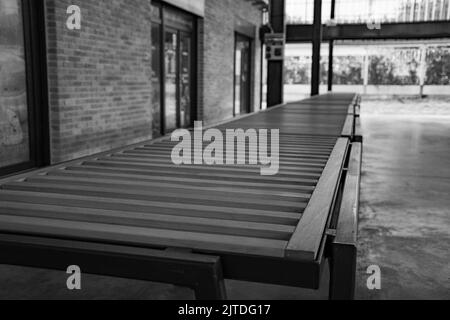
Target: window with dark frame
x=24 y=128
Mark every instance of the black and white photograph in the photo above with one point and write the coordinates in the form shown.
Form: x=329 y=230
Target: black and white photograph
x=239 y=153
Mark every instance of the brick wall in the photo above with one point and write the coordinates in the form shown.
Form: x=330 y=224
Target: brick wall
x=99 y=76
x=219 y=27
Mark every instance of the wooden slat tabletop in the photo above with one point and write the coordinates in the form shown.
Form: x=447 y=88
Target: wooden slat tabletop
x=137 y=196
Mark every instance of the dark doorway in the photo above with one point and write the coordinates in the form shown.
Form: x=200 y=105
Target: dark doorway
x=242 y=75
x=173 y=69
x=23 y=103
x=178 y=74
x=185 y=82
x=171 y=80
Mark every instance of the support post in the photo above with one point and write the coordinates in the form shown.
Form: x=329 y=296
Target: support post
x=317 y=41
x=330 y=66
x=211 y=284
x=342 y=271
x=366 y=71
x=343 y=251
x=423 y=69
x=275 y=81
x=331 y=49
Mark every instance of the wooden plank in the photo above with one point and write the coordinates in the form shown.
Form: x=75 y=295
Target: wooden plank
x=283 y=148
x=304 y=179
x=284 y=168
x=303 y=140
x=197 y=185
x=126 y=235
x=106 y=191
x=202 y=211
x=194 y=179
x=292 y=170
x=150 y=220
x=170 y=188
x=306 y=241
x=283 y=152
x=295 y=157
x=347 y=227
x=302 y=163
x=299 y=157
x=307 y=138
x=347 y=130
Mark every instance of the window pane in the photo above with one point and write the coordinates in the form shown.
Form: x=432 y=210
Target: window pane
x=237 y=81
x=171 y=64
x=301 y=11
x=438 y=65
x=156 y=79
x=185 y=85
x=14 y=140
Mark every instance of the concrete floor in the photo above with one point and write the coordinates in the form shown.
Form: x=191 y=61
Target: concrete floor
x=404 y=227
x=405 y=206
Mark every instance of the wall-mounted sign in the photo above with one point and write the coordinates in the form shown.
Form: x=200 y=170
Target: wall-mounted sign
x=275 y=43
x=196 y=7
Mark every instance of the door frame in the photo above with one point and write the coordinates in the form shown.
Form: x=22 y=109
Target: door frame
x=179 y=29
x=237 y=36
x=34 y=32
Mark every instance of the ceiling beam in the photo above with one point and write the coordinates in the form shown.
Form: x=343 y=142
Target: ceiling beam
x=388 y=31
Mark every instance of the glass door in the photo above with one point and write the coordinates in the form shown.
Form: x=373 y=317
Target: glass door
x=178 y=73
x=173 y=66
x=185 y=80
x=171 y=88
x=242 y=75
